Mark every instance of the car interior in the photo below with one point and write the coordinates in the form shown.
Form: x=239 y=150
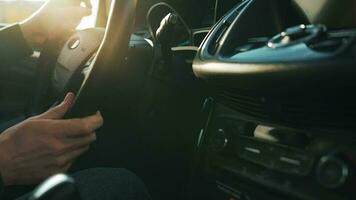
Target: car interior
x=208 y=99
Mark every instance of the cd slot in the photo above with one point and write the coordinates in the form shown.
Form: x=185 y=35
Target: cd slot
x=276 y=157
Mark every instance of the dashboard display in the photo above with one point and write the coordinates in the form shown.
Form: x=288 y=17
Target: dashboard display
x=283 y=137
x=332 y=13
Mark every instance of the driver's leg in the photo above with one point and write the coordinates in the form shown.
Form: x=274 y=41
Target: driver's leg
x=109 y=184
x=105 y=184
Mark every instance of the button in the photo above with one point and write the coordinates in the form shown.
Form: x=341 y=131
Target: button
x=290 y=161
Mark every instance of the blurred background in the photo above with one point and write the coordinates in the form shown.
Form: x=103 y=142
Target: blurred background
x=12 y=11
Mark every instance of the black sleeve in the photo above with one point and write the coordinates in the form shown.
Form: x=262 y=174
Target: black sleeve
x=13 y=45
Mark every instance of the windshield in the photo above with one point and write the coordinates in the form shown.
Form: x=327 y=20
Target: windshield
x=333 y=13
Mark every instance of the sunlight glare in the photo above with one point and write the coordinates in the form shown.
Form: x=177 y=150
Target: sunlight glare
x=89 y=22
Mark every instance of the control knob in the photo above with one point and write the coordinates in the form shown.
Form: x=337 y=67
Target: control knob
x=332 y=172
x=219 y=141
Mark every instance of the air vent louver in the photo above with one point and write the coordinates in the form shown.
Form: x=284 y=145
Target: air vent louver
x=334 y=112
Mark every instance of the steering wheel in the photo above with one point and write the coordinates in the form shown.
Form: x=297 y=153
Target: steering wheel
x=90 y=60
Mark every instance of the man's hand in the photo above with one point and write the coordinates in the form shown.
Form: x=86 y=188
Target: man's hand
x=45 y=145
x=54 y=20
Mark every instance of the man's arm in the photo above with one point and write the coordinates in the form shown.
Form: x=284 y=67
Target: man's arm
x=13 y=45
x=53 y=21
x=43 y=145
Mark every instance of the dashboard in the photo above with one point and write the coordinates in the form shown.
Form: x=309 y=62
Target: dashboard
x=280 y=121
x=270 y=131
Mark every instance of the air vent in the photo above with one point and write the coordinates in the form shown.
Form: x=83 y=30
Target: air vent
x=247 y=104
x=329 y=45
x=330 y=112
x=333 y=42
x=327 y=112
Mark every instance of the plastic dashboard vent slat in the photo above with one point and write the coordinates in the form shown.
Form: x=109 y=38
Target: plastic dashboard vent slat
x=244 y=104
x=300 y=112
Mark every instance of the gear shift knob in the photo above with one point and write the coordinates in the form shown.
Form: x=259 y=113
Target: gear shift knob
x=167 y=28
x=57 y=187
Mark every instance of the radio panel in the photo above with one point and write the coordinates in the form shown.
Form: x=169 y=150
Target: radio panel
x=263 y=145
x=291 y=162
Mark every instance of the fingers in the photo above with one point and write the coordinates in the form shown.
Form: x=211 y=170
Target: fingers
x=74 y=17
x=60 y=110
x=80 y=11
x=72 y=9
x=65 y=160
x=79 y=142
x=69 y=157
x=64 y=24
x=87 y=3
x=73 y=128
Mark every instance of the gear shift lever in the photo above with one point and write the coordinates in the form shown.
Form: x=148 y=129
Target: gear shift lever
x=57 y=187
x=165 y=35
x=167 y=28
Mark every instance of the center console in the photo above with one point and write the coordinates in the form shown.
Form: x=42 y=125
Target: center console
x=244 y=159
x=280 y=123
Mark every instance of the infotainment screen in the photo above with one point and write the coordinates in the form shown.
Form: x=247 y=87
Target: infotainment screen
x=332 y=13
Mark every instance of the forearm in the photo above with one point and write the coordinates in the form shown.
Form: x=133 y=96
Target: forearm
x=13 y=45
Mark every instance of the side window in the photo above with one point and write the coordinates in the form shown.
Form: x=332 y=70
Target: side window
x=12 y=11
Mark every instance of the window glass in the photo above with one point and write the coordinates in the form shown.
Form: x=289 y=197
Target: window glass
x=333 y=13
x=12 y=11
